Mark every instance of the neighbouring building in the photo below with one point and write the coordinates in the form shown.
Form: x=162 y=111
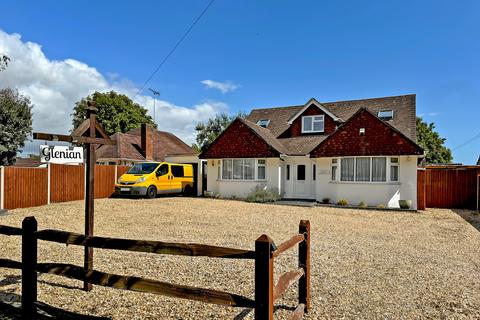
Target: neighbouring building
x=358 y=150
x=145 y=144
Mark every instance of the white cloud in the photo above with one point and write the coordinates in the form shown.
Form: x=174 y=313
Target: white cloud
x=224 y=87
x=54 y=87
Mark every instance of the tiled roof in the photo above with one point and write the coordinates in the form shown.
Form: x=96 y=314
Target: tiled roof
x=128 y=146
x=403 y=107
x=404 y=120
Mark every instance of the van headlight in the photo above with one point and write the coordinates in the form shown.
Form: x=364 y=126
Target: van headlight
x=119 y=180
x=142 y=179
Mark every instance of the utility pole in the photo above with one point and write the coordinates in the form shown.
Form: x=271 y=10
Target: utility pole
x=156 y=94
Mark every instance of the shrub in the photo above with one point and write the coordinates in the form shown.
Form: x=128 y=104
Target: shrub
x=381 y=206
x=342 y=202
x=362 y=204
x=326 y=200
x=263 y=194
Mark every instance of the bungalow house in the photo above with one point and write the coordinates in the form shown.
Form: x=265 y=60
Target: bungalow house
x=358 y=150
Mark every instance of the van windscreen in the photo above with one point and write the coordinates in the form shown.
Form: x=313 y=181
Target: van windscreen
x=142 y=168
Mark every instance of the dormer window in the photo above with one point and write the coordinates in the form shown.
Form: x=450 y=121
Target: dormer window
x=385 y=115
x=313 y=124
x=263 y=122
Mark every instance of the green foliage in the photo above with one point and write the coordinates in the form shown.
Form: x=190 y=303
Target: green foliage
x=209 y=131
x=432 y=143
x=342 y=202
x=262 y=195
x=381 y=206
x=326 y=200
x=4 y=62
x=15 y=124
x=116 y=112
x=362 y=204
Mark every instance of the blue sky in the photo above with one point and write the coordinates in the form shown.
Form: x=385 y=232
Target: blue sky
x=275 y=52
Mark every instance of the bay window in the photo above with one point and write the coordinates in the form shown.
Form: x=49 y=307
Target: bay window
x=243 y=169
x=366 y=169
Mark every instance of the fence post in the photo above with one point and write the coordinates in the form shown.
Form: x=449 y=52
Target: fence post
x=29 y=266
x=49 y=170
x=304 y=262
x=2 y=187
x=263 y=278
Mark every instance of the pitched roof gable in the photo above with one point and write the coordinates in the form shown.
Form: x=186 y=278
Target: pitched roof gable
x=314 y=102
x=347 y=141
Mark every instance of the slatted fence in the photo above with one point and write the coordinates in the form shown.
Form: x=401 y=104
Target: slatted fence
x=266 y=292
x=28 y=187
x=448 y=187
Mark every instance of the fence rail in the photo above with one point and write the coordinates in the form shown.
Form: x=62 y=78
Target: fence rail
x=265 y=291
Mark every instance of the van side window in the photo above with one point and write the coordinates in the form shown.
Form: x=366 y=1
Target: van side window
x=177 y=171
x=162 y=170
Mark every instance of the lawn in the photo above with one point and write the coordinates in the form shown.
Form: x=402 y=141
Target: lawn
x=365 y=264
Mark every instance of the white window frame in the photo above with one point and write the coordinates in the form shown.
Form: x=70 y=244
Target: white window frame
x=385 y=117
x=336 y=164
x=394 y=164
x=321 y=120
x=255 y=174
x=267 y=122
x=388 y=165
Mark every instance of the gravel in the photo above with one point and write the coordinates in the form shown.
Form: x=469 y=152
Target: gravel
x=365 y=264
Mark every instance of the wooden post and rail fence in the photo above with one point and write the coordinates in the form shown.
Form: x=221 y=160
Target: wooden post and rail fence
x=265 y=253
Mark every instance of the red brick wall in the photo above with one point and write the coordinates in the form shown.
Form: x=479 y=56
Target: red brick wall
x=295 y=128
x=239 y=141
x=379 y=139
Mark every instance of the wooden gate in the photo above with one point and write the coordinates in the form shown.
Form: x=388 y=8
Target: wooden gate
x=448 y=187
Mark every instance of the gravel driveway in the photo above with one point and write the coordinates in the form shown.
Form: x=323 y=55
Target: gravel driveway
x=366 y=264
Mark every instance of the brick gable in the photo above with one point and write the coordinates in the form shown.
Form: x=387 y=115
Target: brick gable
x=379 y=139
x=239 y=141
x=295 y=129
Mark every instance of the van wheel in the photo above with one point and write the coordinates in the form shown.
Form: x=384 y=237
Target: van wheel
x=188 y=190
x=151 y=192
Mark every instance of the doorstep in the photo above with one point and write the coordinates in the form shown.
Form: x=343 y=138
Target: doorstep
x=296 y=202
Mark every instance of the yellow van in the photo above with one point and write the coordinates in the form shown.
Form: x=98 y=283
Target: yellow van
x=151 y=178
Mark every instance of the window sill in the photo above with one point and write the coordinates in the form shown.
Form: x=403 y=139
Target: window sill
x=367 y=182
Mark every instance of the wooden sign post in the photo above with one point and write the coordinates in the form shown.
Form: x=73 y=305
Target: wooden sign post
x=90 y=133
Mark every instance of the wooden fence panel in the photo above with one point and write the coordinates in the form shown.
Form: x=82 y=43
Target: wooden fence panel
x=449 y=187
x=66 y=182
x=421 y=196
x=121 y=170
x=25 y=187
x=104 y=181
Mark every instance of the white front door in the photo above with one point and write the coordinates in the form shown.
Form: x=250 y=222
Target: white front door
x=299 y=179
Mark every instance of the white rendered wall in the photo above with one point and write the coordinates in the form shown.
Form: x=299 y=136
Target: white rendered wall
x=373 y=194
x=241 y=188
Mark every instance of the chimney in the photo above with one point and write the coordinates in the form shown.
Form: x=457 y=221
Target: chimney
x=147 y=141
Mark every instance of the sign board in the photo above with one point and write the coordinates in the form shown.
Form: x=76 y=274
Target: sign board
x=61 y=154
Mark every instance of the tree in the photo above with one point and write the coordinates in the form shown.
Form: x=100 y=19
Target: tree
x=116 y=112
x=15 y=124
x=432 y=143
x=209 y=131
x=4 y=62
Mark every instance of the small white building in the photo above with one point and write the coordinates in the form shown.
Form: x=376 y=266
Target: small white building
x=360 y=151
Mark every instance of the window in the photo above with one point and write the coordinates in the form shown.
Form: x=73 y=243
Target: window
x=379 y=169
x=385 y=115
x=394 y=165
x=301 y=172
x=163 y=170
x=347 y=169
x=177 y=171
x=241 y=169
x=314 y=171
x=362 y=170
x=263 y=122
x=288 y=172
x=261 y=169
x=313 y=124
x=142 y=168
x=334 y=169
x=227 y=168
